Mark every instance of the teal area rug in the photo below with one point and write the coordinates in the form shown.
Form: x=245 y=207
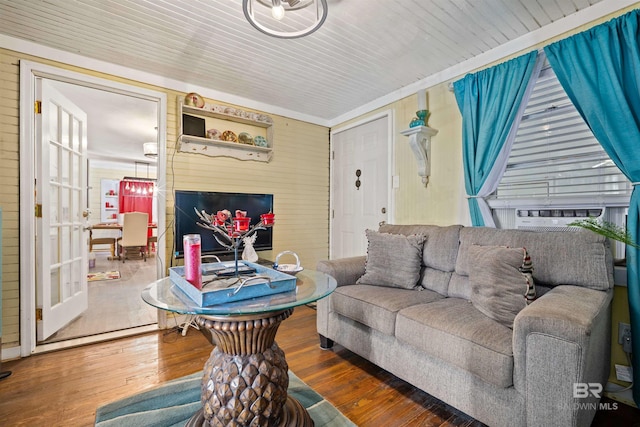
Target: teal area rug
x=173 y=403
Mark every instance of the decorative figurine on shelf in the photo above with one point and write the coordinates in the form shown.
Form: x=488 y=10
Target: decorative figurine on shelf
x=230 y=231
x=194 y=100
x=423 y=115
x=421 y=119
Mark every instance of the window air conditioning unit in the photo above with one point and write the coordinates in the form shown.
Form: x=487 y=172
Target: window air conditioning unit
x=553 y=219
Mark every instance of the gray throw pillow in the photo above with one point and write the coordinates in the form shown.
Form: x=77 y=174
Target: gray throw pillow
x=501 y=281
x=393 y=260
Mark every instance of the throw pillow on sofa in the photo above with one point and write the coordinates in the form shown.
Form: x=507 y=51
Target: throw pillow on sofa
x=501 y=281
x=393 y=260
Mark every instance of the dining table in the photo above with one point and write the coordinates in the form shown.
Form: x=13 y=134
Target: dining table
x=116 y=226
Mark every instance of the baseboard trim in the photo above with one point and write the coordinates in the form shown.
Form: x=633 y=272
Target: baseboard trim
x=11 y=353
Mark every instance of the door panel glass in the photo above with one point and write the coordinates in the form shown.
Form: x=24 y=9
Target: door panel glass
x=77 y=213
x=77 y=241
x=76 y=270
x=54 y=242
x=55 y=286
x=76 y=135
x=64 y=129
x=53 y=122
x=75 y=168
x=53 y=163
x=53 y=204
x=64 y=166
x=65 y=282
x=65 y=249
x=64 y=205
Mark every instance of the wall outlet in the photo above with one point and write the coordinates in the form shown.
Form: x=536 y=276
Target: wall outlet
x=623 y=329
x=624 y=373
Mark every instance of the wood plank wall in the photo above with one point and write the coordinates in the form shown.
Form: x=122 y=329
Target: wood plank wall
x=298 y=176
x=9 y=195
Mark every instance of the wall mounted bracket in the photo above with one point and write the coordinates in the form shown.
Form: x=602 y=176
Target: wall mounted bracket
x=420 y=142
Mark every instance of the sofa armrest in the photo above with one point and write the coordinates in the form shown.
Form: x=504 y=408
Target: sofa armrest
x=562 y=339
x=346 y=271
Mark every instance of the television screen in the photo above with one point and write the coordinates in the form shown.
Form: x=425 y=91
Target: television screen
x=194 y=126
x=212 y=202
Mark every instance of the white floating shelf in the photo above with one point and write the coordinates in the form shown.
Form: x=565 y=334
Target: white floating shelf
x=218 y=148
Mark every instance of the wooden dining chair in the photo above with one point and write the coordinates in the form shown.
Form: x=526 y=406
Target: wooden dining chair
x=152 y=241
x=111 y=241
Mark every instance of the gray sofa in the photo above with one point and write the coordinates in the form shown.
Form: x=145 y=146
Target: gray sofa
x=435 y=337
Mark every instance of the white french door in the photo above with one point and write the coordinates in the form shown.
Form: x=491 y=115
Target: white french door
x=360 y=180
x=61 y=185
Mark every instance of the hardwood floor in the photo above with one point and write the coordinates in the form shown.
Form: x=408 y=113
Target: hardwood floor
x=64 y=388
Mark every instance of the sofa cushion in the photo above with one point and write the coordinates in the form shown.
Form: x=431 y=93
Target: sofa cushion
x=501 y=282
x=441 y=247
x=439 y=253
x=580 y=258
x=459 y=287
x=453 y=330
x=377 y=306
x=393 y=260
x=435 y=280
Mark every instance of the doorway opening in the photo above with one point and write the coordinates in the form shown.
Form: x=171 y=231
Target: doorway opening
x=121 y=119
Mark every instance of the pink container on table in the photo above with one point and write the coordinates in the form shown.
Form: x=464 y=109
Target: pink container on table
x=192 y=254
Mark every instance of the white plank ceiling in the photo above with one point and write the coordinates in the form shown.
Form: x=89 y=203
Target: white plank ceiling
x=365 y=50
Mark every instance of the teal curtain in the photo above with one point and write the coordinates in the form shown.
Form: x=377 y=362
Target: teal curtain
x=489 y=101
x=600 y=71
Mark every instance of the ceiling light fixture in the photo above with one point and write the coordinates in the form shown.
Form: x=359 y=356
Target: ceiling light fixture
x=150 y=149
x=280 y=21
x=277 y=10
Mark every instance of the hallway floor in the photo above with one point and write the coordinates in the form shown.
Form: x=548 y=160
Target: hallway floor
x=114 y=304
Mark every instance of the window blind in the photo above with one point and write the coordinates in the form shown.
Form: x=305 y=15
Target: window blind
x=555 y=156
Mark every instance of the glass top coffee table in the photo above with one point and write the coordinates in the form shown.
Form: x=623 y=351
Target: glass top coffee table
x=246 y=377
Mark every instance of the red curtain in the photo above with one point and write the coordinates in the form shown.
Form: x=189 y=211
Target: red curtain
x=136 y=196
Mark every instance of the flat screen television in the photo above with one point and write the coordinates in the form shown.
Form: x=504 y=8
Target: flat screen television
x=212 y=202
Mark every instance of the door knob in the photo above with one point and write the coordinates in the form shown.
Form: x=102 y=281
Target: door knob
x=86 y=213
x=383 y=210
x=358 y=173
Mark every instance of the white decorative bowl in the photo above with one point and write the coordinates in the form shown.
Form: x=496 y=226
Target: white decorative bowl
x=292 y=269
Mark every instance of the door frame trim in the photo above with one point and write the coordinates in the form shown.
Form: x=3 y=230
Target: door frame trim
x=29 y=71
x=390 y=115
